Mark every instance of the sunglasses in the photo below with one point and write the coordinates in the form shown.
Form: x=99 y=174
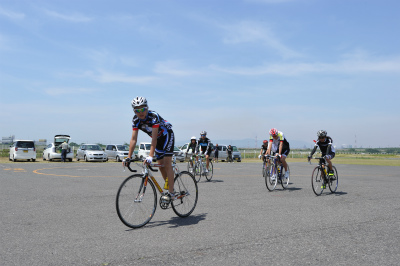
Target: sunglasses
x=321 y=137
x=203 y=135
x=141 y=110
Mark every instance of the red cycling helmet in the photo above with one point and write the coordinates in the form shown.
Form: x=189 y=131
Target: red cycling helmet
x=273 y=132
x=265 y=141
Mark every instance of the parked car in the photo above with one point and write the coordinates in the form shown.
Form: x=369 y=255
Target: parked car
x=179 y=154
x=53 y=150
x=91 y=152
x=186 y=154
x=223 y=154
x=117 y=152
x=23 y=150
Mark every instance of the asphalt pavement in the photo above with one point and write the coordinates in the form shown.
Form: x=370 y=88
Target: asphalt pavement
x=64 y=214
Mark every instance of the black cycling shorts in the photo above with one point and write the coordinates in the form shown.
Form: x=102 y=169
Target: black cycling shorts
x=165 y=145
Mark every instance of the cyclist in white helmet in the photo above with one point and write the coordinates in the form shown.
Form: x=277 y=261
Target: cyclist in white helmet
x=192 y=146
x=162 y=140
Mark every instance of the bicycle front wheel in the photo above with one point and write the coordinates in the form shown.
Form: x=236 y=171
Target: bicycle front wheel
x=284 y=178
x=271 y=178
x=333 y=182
x=135 y=203
x=210 y=173
x=197 y=172
x=317 y=181
x=186 y=188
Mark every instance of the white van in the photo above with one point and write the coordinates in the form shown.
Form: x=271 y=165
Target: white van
x=144 y=149
x=23 y=150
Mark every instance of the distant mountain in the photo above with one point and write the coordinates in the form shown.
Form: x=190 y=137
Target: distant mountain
x=251 y=143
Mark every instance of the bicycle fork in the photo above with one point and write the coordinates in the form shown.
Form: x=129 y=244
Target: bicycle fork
x=143 y=187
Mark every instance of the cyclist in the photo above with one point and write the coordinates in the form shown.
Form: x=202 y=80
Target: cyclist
x=162 y=140
x=192 y=146
x=278 y=143
x=325 y=145
x=264 y=148
x=203 y=146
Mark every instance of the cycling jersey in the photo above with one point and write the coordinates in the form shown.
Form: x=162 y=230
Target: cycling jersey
x=326 y=147
x=276 y=142
x=192 y=146
x=203 y=145
x=165 y=137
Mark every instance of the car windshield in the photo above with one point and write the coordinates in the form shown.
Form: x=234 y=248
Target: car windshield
x=93 y=147
x=123 y=148
x=148 y=146
x=234 y=148
x=25 y=144
x=176 y=149
x=61 y=140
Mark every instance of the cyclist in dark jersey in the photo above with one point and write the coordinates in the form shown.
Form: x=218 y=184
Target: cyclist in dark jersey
x=264 y=148
x=162 y=140
x=324 y=143
x=279 y=144
x=203 y=146
x=192 y=146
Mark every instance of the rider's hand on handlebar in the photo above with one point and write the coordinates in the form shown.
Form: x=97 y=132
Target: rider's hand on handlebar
x=126 y=162
x=259 y=156
x=148 y=160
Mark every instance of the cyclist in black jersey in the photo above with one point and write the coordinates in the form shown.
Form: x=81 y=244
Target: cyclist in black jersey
x=264 y=148
x=279 y=144
x=324 y=143
x=203 y=146
x=192 y=146
x=162 y=140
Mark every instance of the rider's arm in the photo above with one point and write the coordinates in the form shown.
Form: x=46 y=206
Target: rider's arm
x=132 y=143
x=312 y=152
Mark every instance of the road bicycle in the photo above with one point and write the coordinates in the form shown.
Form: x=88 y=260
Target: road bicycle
x=136 y=200
x=275 y=172
x=200 y=169
x=320 y=178
x=191 y=162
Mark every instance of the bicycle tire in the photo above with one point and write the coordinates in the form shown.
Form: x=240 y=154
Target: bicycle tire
x=285 y=180
x=333 y=184
x=135 y=214
x=189 y=167
x=197 y=172
x=210 y=170
x=317 y=180
x=264 y=169
x=271 y=177
x=186 y=187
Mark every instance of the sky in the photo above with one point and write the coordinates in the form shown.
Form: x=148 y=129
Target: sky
x=234 y=68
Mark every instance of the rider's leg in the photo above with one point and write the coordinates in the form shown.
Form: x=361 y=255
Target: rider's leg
x=207 y=161
x=283 y=160
x=168 y=171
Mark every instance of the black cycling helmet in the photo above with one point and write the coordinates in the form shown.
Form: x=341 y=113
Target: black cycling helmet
x=321 y=133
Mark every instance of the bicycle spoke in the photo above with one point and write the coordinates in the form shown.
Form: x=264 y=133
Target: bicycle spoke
x=317 y=181
x=135 y=205
x=271 y=177
x=334 y=182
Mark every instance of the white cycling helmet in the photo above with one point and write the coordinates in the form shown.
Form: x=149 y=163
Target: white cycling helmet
x=138 y=101
x=193 y=138
x=203 y=132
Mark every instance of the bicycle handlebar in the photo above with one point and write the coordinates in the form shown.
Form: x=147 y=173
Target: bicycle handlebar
x=128 y=164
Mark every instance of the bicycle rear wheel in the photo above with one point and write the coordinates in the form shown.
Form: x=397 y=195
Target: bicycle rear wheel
x=271 y=177
x=284 y=179
x=135 y=203
x=264 y=169
x=210 y=173
x=333 y=184
x=186 y=187
x=317 y=181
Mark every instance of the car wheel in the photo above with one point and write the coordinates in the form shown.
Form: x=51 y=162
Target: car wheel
x=48 y=157
x=33 y=160
x=85 y=158
x=77 y=158
x=118 y=159
x=70 y=160
x=13 y=159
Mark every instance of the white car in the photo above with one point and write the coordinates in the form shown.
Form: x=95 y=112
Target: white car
x=53 y=150
x=223 y=154
x=117 y=152
x=91 y=152
x=23 y=150
x=144 y=151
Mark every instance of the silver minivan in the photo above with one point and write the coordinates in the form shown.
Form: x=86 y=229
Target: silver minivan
x=117 y=152
x=23 y=150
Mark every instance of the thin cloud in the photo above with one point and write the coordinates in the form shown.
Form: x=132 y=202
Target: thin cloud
x=70 y=18
x=174 y=68
x=11 y=14
x=252 y=32
x=109 y=77
x=293 y=69
x=67 y=91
